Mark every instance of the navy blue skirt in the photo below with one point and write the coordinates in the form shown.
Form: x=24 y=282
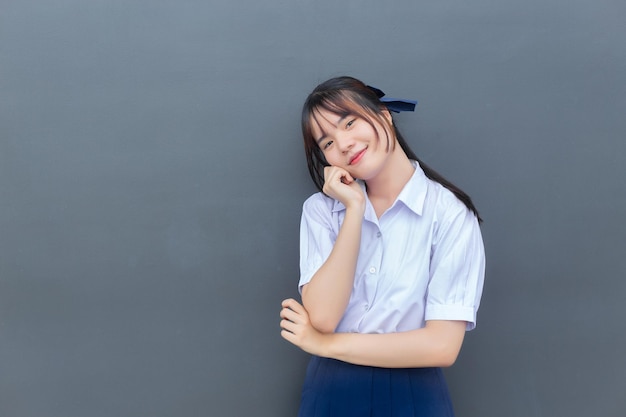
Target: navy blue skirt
x=334 y=388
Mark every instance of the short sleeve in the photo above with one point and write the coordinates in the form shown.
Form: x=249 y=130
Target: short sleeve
x=317 y=236
x=457 y=267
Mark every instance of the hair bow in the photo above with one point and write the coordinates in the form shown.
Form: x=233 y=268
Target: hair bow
x=395 y=105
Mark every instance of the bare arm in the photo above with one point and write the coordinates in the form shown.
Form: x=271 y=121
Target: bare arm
x=437 y=344
x=326 y=296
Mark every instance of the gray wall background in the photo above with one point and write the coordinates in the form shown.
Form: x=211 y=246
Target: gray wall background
x=152 y=175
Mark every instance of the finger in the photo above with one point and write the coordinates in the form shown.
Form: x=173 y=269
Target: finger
x=333 y=173
x=288 y=314
x=288 y=301
x=347 y=178
x=284 y=324
x=293 y=305
x=290 y=337
x=289 y=326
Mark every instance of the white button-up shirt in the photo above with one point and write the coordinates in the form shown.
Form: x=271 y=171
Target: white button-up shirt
x=423 y=259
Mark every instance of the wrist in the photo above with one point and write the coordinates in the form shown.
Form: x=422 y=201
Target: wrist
x=328 y=347
x=357 y=207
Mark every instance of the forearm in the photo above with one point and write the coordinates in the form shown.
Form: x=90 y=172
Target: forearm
x=438 y=344
x=327 y=294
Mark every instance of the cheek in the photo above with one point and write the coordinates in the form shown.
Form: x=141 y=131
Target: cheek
x=384 y=141
x=332 y=158
x=374 y=135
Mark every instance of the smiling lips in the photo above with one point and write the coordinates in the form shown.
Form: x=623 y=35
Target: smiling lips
x=357 y=157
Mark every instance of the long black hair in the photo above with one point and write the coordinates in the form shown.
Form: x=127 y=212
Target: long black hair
x=347 y=95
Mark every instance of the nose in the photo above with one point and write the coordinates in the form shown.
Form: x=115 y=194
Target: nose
x=345 y=141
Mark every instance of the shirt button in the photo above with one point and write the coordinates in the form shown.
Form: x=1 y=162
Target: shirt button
x=372 y=270
x=366 y=307
x=379 y=234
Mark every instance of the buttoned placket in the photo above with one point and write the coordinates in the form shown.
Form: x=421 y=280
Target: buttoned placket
x=373 y=270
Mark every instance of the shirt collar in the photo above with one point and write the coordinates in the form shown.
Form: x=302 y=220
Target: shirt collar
x=413 y=195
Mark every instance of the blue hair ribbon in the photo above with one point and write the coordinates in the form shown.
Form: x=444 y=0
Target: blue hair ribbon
x=395 y=105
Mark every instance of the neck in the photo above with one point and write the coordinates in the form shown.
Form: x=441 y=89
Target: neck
x=386 y=186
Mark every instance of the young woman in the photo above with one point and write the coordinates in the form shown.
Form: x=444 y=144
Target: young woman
x=391 y=263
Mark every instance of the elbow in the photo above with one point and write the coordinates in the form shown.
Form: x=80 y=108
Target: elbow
x=320 y=318
x=446 y=340
x=448 y=354
x=445 y=352
x=323 y=324
x=448 y=359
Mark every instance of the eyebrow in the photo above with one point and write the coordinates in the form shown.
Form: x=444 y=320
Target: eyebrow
x=318 y=141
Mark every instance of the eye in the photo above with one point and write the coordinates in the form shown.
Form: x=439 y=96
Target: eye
x=327 y=144
x=350 y=123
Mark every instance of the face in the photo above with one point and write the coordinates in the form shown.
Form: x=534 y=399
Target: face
x=352 y=143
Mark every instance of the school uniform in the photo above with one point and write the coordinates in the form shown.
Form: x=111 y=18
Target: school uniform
x=423 y=259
